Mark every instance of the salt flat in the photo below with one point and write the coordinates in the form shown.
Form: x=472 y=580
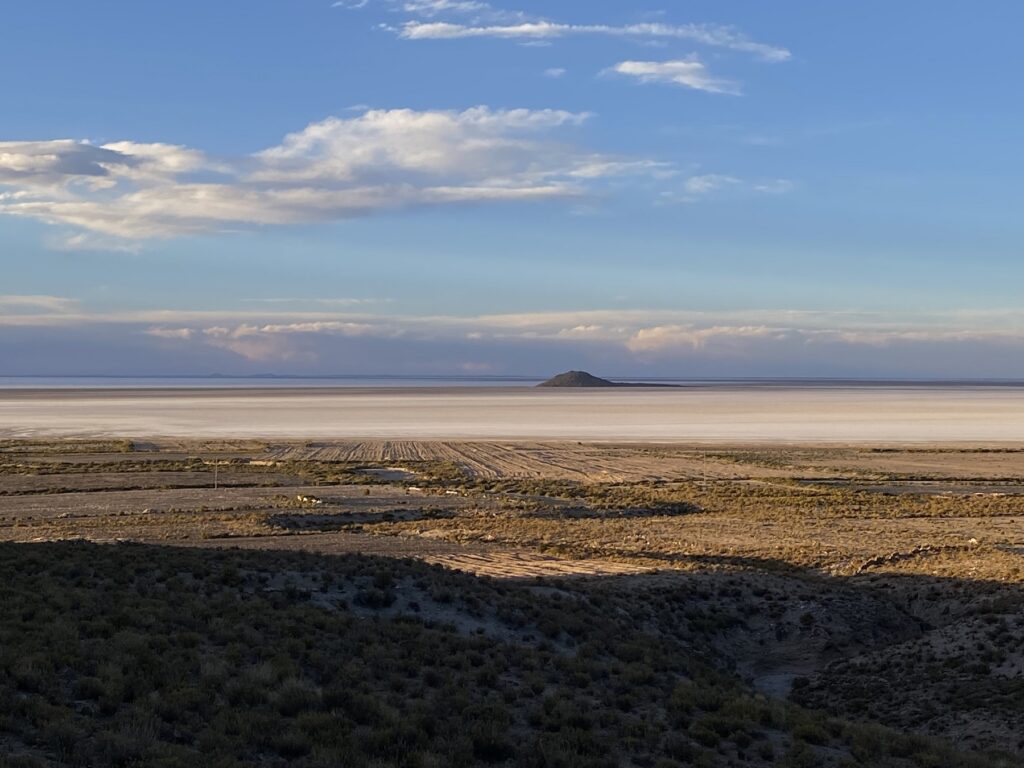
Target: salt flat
x=868 y=414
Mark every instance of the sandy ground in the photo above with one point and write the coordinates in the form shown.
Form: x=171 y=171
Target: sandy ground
x=875 y=414
x=478 y=558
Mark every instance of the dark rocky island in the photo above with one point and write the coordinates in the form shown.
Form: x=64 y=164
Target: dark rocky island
x=582 y=379
x=577 y=379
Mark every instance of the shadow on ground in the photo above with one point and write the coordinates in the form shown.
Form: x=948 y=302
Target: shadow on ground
x=140 y=655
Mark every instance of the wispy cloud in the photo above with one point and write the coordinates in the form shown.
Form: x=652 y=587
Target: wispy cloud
x=689 y=73
x=703 y=34
x=328 y=302
x=438 y=7
x=708 y=183
x=775 y=186
x=554 y=72
x=711 y=185
x=476 y=10
x=333 y=169
x=37 y=303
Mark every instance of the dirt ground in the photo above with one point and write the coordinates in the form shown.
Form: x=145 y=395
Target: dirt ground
x=558 y=460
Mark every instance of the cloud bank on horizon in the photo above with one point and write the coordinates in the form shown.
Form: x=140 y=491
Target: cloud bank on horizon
x=314 y=338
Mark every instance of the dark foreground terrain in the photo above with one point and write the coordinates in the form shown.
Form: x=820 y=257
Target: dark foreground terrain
x=138 y=655
x=445 y=604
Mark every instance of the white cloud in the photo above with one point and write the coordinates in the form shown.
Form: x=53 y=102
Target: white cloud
x=36 y=165
x=477 y=10
x=709 y=185
x=554 y=72
x=668 y=337
x=277 y=342
x=161 y=159
x=689 y=73
x=704 y=34
x=438 y=7
x=338 y=327
x=45 y=163
x=710 y=182
x=478 y=144
x=332 y=169
x=181 y=334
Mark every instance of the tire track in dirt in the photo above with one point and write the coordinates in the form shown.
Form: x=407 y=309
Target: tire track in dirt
x=561 y=461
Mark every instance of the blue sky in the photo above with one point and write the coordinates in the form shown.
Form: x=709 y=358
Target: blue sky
x=446 y=186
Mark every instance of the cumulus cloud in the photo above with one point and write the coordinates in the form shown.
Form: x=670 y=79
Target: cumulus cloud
x=332 y=169
x=668 y=337
x=161 y=159
x=47 y=163
x=273 y=342
x=478 y=145
x=689 y=73
x=704 y=34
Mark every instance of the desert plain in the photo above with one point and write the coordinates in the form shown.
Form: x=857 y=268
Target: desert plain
x=743 y=412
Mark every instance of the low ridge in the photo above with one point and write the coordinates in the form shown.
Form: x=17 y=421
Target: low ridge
x=577 y=379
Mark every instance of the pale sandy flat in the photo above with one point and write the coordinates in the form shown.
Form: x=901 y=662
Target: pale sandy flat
x=878 y=414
